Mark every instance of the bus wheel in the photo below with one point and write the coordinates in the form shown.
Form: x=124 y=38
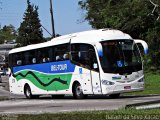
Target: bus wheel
x=27 y=92
x=77 y=91
x=114 y=95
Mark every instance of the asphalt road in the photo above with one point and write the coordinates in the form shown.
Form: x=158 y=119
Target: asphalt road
x=21 y=105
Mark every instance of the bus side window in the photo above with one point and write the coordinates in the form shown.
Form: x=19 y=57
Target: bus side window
x=84 y=55
x=93 y=59
x=34 y=60
x=58 y=58
x=50 y=52
x=66 y=56
x=19 y=62
x=12 y=60
x=80 y=54
x=41 y=55
x=26 y=58
x=61 y=52
x=38 y=56
x=75 y=55
x=18 y=59
x=45 y=55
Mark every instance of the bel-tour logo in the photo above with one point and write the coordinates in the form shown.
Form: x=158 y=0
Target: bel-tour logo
x=60 y=67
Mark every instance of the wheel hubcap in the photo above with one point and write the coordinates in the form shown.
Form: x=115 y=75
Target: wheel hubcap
x=27 y=92
x=79 y=90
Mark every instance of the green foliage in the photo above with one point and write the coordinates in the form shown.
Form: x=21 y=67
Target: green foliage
x=134 y=17
x=151 y=84
x=7 y=33
x=30 y=31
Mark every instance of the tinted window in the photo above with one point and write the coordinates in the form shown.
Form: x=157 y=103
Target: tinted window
x=83 y=55
x=42 y=55
x=61 y=52
x=120 y=56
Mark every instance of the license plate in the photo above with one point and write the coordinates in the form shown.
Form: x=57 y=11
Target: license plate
x=127 y=87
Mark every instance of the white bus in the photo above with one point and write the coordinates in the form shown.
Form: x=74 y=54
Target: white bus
x=96 y=62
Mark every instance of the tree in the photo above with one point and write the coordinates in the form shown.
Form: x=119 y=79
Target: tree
x=139 y=18
x=30 y=31
x=7 y=33
x=2 y=37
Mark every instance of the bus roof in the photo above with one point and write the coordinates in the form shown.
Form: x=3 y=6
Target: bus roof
x=89 y=37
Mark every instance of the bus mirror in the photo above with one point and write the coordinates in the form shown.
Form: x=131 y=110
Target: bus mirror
x=144 y=44
x=99 y=49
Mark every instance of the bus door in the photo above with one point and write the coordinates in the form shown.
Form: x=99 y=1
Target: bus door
x=85 y=76
x=94 y=70
x=79 y=57
x=84 y=56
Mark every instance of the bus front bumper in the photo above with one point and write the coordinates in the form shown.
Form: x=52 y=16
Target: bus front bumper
x=124 y=88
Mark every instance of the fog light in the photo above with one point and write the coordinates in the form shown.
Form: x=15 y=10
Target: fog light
x=106 y=82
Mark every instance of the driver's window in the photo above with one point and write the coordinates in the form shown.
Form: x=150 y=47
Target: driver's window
x=84 y=55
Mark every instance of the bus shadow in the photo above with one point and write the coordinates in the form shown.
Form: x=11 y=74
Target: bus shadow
x=92 y=97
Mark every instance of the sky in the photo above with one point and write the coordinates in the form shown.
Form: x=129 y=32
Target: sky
x=68 y=17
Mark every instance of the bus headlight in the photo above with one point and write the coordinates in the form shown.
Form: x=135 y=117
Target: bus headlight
x=106 y=82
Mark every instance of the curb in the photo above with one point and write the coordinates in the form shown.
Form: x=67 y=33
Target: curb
x=142 y=104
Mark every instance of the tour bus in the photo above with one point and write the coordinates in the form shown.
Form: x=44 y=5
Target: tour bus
x=95 y=62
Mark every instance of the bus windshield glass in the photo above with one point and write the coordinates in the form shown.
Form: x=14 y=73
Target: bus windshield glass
x=120 y=56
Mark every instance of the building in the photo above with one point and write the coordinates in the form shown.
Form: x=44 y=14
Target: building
x=4 y=50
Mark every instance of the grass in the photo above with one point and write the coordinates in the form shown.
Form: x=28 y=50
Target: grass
x=152 y=84
x=123 y=114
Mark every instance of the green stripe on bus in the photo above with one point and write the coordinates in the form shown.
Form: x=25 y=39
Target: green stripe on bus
x=43 y=81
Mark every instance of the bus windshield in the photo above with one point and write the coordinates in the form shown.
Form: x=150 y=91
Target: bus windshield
x=120 y=56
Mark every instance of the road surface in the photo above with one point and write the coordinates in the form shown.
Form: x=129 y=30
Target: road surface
x=46 y=104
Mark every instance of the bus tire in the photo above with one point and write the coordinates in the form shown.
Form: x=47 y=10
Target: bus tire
x=114 y=95
x=77 y=91
x=28 y=93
